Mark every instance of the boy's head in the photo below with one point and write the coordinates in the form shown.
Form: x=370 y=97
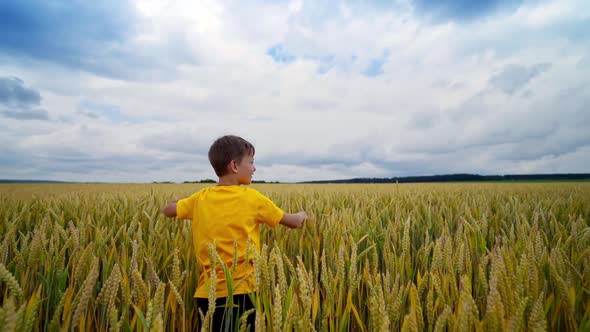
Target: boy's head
x=228 y=148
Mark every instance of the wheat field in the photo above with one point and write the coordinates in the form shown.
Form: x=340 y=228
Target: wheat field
x=411 y=257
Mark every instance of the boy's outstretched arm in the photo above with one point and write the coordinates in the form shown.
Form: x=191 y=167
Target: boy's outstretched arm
x=170 y=209
x=294 y=220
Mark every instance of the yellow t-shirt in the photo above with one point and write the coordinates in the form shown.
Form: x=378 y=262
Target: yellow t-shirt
x=227 y=214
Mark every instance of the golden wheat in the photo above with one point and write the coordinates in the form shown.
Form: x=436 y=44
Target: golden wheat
x=488 y=256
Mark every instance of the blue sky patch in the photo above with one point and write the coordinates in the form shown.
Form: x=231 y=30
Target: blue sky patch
x=280 y=55
x=462 y=10
x=375 y=68
x=97 y=110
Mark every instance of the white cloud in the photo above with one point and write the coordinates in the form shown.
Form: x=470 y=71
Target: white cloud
x=551 y=12
x=439 y=106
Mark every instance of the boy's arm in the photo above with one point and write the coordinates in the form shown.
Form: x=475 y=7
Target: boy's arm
x=170 y=209
x=293 y=220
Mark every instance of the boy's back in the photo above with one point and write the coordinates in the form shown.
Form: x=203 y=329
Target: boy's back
x=228 y=215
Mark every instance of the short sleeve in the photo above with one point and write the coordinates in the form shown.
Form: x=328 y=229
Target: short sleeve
x=268 y=212
x=185 y=207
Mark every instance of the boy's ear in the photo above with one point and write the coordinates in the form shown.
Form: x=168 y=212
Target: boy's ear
x=233 y=166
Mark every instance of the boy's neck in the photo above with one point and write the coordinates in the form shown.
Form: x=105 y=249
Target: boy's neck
x=228 y=181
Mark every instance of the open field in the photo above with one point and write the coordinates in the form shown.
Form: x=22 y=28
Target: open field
x=472 y=256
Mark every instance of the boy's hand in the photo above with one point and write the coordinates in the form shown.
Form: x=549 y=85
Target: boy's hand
x=170 y=209
x=303 y=215
x=294 y=220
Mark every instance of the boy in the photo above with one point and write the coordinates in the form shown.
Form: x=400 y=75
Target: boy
x=229 y=213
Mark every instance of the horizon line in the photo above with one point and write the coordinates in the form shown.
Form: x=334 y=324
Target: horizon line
x=583 y=175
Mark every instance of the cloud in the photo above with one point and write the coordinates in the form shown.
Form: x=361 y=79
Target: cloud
x=31 y=114
x=324 y=90
x=182 y=142
x=90 y=153
x=108 y=38
x=424 y=120
x=14 y=93
x=561 y=142
x=19 y=102
x=75 y=34
x=513 y=77
x=105 y=111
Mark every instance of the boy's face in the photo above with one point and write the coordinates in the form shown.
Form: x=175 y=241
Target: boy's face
x=246 y=169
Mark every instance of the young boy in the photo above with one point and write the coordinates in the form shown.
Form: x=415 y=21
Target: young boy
x=229 y=214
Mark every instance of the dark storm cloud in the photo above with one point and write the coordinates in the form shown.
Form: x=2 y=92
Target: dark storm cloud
x=20 y=102
x=14 y=93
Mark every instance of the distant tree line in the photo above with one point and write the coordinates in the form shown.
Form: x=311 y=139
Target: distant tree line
x=213 y=181
x=464 y=178
x=202 y=181
x=30 y=181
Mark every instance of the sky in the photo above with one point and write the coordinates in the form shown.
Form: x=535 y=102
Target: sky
x=137 y=91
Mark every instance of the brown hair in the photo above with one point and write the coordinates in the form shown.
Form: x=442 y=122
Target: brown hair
x=228 y=148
